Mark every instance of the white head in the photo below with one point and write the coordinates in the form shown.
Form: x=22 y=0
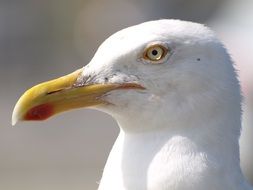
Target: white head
x=192 y=82
x=187 y=76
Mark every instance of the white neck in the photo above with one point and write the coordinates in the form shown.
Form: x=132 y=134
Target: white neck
x=175 y=158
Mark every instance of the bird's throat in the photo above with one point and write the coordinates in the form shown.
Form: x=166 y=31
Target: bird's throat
x=171 y=161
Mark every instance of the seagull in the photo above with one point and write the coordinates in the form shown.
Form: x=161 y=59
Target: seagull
x=173 y=90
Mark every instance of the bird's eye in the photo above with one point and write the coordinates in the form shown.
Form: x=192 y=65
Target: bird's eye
x=155 y=53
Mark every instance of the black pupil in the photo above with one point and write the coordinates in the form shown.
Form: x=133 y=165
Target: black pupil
x=154 y=52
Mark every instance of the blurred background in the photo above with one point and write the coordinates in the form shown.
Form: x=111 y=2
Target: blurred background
x=41 y=40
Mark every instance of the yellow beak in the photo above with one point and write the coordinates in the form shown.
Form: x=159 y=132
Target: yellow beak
x=49 y=98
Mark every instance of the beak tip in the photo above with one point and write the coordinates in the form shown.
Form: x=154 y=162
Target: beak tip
x=14 y=120
x=15 y=116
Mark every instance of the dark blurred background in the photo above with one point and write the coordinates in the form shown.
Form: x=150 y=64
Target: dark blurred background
x=41 y=40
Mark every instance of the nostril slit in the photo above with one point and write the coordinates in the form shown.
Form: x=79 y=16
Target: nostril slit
x=55 y=91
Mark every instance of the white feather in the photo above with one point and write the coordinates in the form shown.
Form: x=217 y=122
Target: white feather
x=182 y=131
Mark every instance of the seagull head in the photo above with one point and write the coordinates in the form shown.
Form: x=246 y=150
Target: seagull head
x=172 y=71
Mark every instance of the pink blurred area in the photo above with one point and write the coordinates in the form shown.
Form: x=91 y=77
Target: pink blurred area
x=40 y=40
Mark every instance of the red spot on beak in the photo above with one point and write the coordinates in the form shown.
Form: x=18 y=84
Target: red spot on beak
x=40 y=112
